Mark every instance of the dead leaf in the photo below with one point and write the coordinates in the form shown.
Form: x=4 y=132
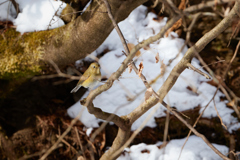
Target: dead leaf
x=140 y=69
x=129 y=68
x=182 y=5
x=163 y=68
x=192 y=89
x=145 y=151
x=148 y=94
x=157 y=57
x=146 y=47
x=178 y=24
x=131 y=46
x=231 y=104
x=92 y=145
x=103 y=142
x=179 y=32
x=83 y=101
x=174 y=27
x=80 y=158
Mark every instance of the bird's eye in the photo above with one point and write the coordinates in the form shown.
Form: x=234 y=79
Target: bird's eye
x=93 y=66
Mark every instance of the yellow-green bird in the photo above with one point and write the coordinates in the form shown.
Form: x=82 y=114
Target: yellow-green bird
x=90 y=77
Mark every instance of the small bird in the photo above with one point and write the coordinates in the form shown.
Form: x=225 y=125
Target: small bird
x=90 y=77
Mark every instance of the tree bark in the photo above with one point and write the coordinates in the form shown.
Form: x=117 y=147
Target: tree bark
x=119 y=141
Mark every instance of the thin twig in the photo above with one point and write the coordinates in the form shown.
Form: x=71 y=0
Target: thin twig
x=166 y=126
x=55 y=14
x=213 y=63
x=25 y=157
x=217 y=81
x=179 y=52
x=33 y=155
x=16 y=6
x=230 y=63
x=232 y=146
x=62 y=136
x=201 y=6
x=195 y=123
x=198 y=71
x=3 y=2
x=80 y=144
x=234 y=32
x=65 y=142
x=59 y=74
x=215 y=107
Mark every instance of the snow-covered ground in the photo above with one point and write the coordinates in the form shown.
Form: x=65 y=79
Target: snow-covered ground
x=138 y=27
x=36 y=15
x=195 y=149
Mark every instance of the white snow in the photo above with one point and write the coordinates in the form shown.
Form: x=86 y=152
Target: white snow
x=7 y=11
x=195 y=149
x=89 y=131
x=35 y=15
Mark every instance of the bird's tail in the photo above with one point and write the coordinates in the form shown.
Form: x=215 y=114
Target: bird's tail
x=75 y=89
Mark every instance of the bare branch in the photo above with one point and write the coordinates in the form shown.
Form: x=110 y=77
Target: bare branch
x=66 y=143
x=59 y=74
x=205 y=5
x=16 y=6
x=215 y=107
x=79 y=141
x=135 y=133
x=25 y=157
x=98 y=113
x=166 y=126
x=198 y=71
x=55 y=14
x=230 y=63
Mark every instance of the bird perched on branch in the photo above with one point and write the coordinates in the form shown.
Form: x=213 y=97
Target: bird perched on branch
x=90 y=77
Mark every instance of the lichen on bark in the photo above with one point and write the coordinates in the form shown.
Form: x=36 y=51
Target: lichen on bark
x=20 y=54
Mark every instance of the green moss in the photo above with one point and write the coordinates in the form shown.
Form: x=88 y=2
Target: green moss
x=57 y=42
x=20 y=54
x=58 y=37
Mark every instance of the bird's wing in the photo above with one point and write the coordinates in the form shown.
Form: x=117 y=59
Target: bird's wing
x=84 y=77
